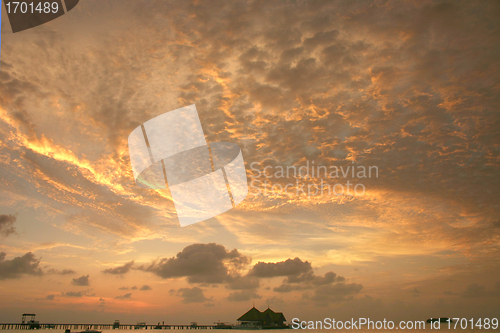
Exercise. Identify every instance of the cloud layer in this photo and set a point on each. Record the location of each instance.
(408, 87)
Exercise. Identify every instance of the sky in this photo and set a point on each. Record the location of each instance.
(410, 89)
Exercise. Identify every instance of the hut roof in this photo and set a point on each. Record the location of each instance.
(274, 316)
(268, 315)
(251, 315)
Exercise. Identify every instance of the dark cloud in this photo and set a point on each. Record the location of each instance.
(145, 287)
(329, 277)
(239, 282)
(78, 293)
(243, 296)
(126, 296)
(212, 264)
(475, 290)
(74, 293)
(200, 263)
(81, 281)
(67, 271)
(299, 275)
(275, 301)
(50, 297)
(19, 266)
(285, 288)
(310, 277)
(128, 288)
(289, 267)
(321, 38)
(62, 272)
(326, 294)
(120, 269)
(192, 295)
(7, 224)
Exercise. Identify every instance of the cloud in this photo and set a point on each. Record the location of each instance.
(120, 269)
(192, 295)
(310, 277)
(50, 297)
(299, 275)
(213, 264)
(285, 288)
(126, 296)
(243, 295)
(77, 293)
(239, 282)
(324, 295)
(474, 290)
(416, 293)
(19, 266)
(128, 288)
(288, 267)
(63, 272)
(274, 301)
(200, 263)
(146, 287)
(81, 281)
(7, 224)
(74, 293)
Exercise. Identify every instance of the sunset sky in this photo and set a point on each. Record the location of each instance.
(411, 88)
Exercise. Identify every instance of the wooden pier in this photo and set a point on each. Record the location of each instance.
(82, 327)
